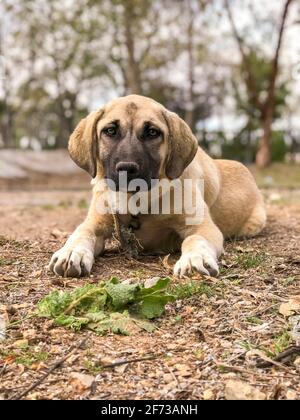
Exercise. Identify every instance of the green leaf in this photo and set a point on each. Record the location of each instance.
(107, 306)
(159, 287)
(75, 323)
(121, 294)
(54, 304)
(154, 306)
(118, 323)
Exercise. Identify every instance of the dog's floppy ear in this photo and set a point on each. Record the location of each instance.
(83, 143)
(182, 145)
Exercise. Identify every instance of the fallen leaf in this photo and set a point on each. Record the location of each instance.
(56, 233)
(151, 282)
(208, 394)
(260, 328)
(9, 360)
(3, 324)
(30, 334)
(291, 395)
(295, 330)
(20, 344)
(241, 391)
(81, 382)
(168, 378)
(289, 308)
(166, 265)
(37, 273)
(297, 362)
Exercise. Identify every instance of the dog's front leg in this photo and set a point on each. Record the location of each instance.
(76, 257)
(202, 245)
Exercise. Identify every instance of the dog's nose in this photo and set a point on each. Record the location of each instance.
(131, 168)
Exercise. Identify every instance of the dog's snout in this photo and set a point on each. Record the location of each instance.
(131, 168)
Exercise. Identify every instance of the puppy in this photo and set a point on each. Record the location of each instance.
(137, 137)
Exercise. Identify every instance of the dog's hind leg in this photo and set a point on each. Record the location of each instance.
(255, 223)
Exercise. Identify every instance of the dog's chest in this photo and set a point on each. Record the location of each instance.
(152, 231)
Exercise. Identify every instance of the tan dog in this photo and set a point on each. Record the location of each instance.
(138, 136)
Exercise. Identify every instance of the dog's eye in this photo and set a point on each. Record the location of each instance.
(153, 132)
(110, 131)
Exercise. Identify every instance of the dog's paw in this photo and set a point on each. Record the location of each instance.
(74, 261)
(202, 260)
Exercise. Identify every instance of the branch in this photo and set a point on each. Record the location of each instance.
(53, 367)
(249, 79)
(275, 62)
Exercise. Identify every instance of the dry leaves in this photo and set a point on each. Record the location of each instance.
(3, 323)
(237, 390)
(289, 308)
(233, 318)
(81, 382)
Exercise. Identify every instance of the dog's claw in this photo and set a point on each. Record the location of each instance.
(204, 263)
(72, 262)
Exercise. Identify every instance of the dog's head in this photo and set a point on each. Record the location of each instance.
(136, 135)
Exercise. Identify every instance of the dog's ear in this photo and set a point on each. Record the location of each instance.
(182, 145)
(83, 143)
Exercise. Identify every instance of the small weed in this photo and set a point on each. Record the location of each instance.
(139, 274)
(30, 358)
(176, 319)
(82, 204)
(282, 342)
(4, 261)
(247, 261)
(247, 345)
(289, 281)
(48, 207)
(190, 289)
(25, 357)
(254, 320)
(65, 204)
(12, 242)
(92, 367)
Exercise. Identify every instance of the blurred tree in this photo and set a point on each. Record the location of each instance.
(261, 82)
(135, 44)
(250, 102)
(58, 51)
(149, 39)
(7, 110)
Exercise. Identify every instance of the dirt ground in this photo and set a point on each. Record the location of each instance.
(221, 342)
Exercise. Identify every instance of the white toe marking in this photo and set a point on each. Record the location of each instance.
(201, 259)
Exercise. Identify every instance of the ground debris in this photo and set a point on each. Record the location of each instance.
(227, 320)
(237, 390)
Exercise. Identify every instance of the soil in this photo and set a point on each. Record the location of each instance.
(201, 343)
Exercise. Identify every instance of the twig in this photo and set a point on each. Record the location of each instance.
(12, 324)
(3, 369)
(261, 311)
(124, 362)
(283, 357)
(234, 368)
(268, 360)
(118, 233)
(174, 377)
(53, 367)
(128, 241)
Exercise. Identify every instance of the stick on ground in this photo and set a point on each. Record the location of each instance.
(53, 367)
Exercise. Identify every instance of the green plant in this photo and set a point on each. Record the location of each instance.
(107, 306)
(247, 260)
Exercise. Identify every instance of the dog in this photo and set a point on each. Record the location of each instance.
(138, 137)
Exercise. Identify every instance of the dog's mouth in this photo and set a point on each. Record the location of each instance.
(132, 186)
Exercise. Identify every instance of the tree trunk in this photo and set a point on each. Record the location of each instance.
(133, 75)
(264, 154)
(190, 109)
(7, 128)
